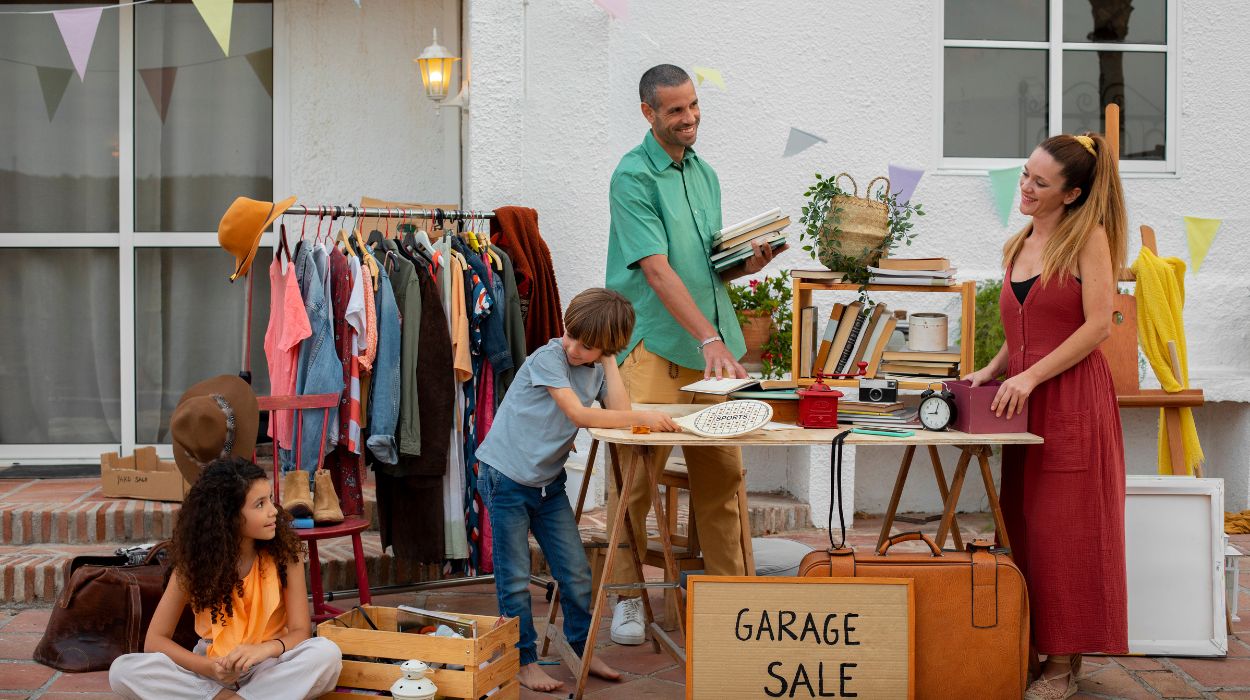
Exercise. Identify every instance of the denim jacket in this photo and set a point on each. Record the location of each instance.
(318, 369)
(384, 397)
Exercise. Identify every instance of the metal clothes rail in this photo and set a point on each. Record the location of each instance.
(351, 210)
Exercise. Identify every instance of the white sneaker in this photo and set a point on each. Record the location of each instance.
(628, 625)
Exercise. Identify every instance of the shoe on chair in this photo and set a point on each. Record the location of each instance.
(296, 497)
(628, 625)
(326, 509)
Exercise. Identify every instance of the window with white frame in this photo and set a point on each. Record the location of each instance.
(1018, 71)
(114, 291)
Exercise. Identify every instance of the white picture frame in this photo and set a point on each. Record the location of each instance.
(1174, 546)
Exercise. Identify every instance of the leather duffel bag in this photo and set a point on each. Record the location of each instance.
(104, 612)
(972, 608)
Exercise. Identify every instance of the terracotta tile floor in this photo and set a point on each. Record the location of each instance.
(654, 676)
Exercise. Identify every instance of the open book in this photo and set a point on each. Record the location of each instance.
(727, 385)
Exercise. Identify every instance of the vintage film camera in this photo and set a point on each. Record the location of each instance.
(878, 390)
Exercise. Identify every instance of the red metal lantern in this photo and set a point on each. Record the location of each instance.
(818, 403)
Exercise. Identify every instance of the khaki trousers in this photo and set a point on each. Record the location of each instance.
(715, 472)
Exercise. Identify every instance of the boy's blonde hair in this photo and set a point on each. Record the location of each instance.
(601, 319)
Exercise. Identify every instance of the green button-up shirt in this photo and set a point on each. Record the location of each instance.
(660, 208)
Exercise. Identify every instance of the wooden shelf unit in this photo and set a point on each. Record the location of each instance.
(802, 296)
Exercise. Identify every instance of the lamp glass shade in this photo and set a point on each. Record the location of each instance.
(436, 63)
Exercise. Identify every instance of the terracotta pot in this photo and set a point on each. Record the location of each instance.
(756, 331)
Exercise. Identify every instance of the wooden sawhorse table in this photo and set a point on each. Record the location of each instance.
(643, 450)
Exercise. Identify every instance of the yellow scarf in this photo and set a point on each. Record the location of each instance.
(1160, 297)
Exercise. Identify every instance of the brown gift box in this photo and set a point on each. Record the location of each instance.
(973, 414)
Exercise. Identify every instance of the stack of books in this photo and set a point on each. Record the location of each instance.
(883, 415)
(733, 244)
(911, 365)
(913, 272)
(852, 335)
(818, 275)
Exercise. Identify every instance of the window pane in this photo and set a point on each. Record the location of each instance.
(59, 354)
(995, 102)
(189, 322)
(1002, 20)
(203, 121)
(1135, 81)
(1129, 21)
(58, 134)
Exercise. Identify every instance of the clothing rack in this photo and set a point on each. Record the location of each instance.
(351, 210)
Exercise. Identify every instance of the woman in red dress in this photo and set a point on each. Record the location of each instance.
(1064, 500)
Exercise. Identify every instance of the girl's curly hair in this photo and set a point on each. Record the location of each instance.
(206, 536)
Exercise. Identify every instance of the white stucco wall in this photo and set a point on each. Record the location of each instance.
(357, 118)
(555, 105)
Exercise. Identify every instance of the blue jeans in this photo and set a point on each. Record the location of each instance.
(515, 511)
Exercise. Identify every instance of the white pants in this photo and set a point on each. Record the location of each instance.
(309, 670)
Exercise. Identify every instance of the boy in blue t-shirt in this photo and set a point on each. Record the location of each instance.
(521, 476)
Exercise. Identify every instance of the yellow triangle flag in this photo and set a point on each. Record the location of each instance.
(217, 14)
(711, 75)
(1201, 233)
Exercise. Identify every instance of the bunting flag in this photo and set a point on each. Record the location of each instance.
(711, 75)
(616, 9)
(53, 81)
(800, 141)
(262, 65)
(1201, 233)
(1003, 183)
(160, 85)
(217, 14)
(903, 182)
(78, 29)
(357, 4)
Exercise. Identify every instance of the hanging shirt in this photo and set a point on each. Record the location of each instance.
(288, 325)
(660, 207)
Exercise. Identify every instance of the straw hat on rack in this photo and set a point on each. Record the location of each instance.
(242, 226)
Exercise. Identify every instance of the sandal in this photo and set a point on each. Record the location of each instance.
(1042, 689)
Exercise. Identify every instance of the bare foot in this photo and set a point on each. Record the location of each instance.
(536, 679)
(604, 671)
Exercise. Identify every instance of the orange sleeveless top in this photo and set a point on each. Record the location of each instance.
(259, 614)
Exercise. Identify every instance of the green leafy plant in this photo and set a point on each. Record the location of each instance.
(820, 211)
(989, 337)
(769, 297)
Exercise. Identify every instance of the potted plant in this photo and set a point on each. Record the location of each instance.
(763, 310)
(847, 233)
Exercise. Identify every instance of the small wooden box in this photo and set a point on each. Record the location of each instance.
(491, 661)
(142, 476)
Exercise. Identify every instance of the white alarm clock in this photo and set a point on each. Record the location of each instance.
(937, 409)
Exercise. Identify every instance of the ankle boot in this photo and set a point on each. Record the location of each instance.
(296, 497)
(325, 502)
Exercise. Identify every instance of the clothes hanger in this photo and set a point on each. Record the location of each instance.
(369, 260)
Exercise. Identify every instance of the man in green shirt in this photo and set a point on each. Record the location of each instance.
(666, 209)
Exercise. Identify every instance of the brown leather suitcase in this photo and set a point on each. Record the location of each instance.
(972, 610)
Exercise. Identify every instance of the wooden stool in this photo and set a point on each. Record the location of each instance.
(674, 479)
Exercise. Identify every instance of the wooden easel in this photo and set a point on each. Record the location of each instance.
(1121, 348)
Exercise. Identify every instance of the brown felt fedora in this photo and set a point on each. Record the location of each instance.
(216, 418)
(242, 226)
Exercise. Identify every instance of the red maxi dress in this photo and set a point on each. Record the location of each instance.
(1063, 501)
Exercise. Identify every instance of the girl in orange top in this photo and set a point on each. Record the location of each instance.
(237, 565)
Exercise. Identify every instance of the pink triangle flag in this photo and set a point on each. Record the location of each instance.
(160, 85)
(617, 9)
(78, 29)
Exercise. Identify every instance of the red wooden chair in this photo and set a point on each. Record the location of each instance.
(350, 527)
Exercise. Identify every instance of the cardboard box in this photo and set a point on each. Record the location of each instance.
(143, 476)
(973, 414)
(470, 668)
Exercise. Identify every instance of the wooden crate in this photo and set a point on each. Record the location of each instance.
(496, 646)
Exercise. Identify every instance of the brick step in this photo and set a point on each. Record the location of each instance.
(73, 511)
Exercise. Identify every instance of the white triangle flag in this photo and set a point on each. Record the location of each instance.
(78, 29)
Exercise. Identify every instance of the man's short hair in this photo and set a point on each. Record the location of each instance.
(601, 319)
(663, 75)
